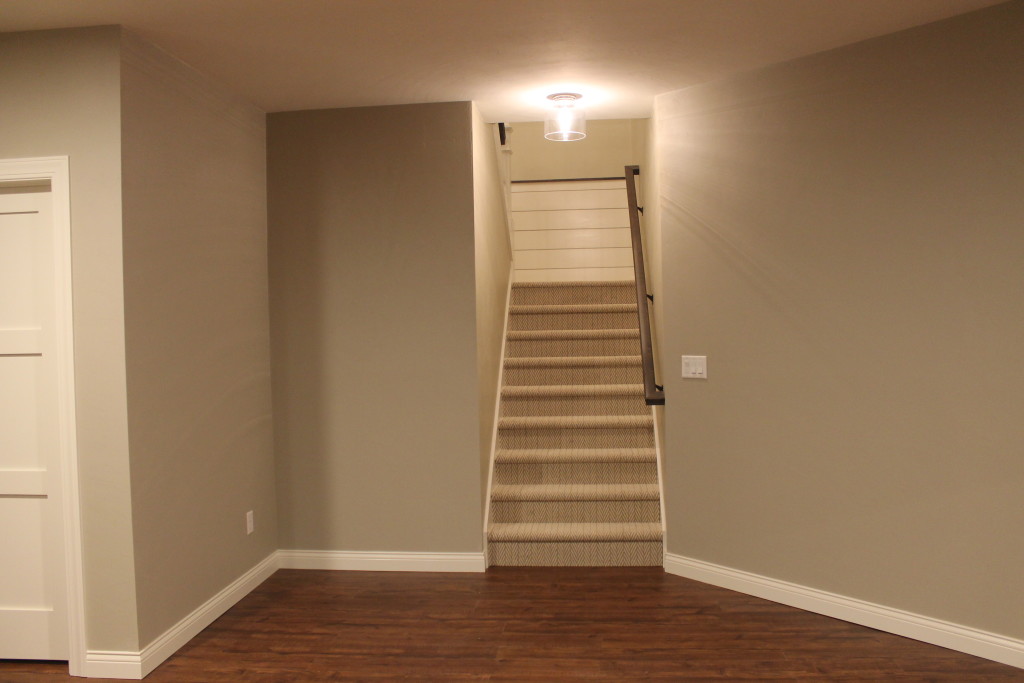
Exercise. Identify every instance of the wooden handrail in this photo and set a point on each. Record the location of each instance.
(654, 394)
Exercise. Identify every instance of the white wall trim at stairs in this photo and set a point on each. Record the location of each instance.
(497, 409)
(136, 665)
(926, 629)
(661, 477)
(381, 561)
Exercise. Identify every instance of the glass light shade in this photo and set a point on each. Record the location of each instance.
(566, 121)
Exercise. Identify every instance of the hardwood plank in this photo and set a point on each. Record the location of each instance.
(533, 624)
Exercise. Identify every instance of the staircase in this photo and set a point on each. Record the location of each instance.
(575, 478)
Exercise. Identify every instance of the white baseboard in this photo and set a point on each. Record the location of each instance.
(107, 664)
(136, 665)
(381, 561)
(185, 630)
(926, 629)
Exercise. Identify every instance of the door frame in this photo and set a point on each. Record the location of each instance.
(56, 170)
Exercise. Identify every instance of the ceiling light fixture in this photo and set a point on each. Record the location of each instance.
(566, 121)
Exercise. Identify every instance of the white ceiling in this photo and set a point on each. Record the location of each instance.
(504, 54)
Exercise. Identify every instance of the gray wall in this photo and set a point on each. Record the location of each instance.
(493, 260)
(197, 334)
(373, 319)
(61, 96)
(842, 237)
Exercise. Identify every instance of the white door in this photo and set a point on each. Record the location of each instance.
(33, 590)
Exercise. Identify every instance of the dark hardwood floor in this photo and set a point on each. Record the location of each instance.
(525, 624)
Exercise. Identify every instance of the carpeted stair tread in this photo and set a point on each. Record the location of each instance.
(574, 455)
(558, 335)
(571, 390)
(574, 511)
(574, 492)
(618, 292)
(577, 422)
(575, 478)
(574, 283)
(533, 309)
(572, 361)
(575, 531)
(577, 554)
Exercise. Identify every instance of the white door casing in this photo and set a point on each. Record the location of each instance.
(41, 606)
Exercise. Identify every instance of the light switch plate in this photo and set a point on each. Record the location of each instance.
(695, 367)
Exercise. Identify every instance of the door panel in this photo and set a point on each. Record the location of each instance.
(33, 602)
(20, 239)
(22, 518)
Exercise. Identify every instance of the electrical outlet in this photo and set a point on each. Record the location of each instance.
(249, 526)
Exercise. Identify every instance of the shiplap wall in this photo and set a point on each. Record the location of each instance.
(571, 231)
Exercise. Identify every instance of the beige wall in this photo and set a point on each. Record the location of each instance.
(373, 318)
(610, 145)
(493, 260)
(649, 191)
(61, 96)
(842, 237)
(197, 335)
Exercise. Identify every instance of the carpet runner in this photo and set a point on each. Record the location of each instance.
(575, 472)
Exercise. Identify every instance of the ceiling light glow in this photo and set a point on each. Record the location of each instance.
(566, 121)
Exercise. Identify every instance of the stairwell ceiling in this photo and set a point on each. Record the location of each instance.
(506, 55)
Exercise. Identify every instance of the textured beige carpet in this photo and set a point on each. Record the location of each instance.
(575, 474)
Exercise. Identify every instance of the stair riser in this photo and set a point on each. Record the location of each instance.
(573, 405)
(546, 456)
(572, 321)
(576, 554)
(576, 438)
(525, 348)
(573, 294)
(576, 473)
(625, 374)
(575, 511)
